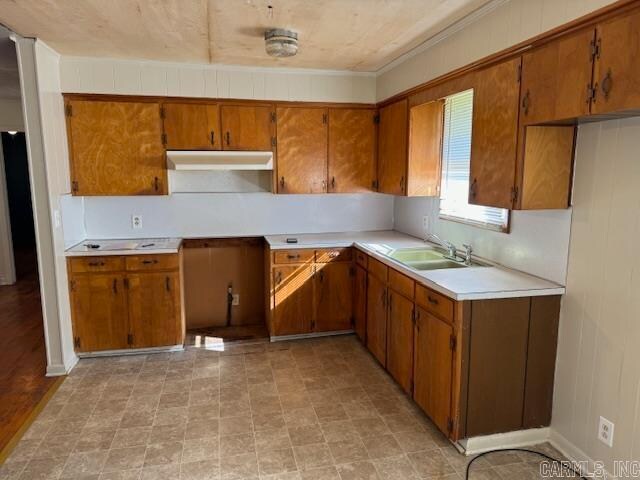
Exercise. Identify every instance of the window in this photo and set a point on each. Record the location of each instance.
(456, 155)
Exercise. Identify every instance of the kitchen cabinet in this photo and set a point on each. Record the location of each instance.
(115, 148)
(153, 307)
(120, 302)
(360, 303)
(377, 296)
(302, 150)
(352, 150)
(425, 149)
(248, 127)
(99, 310)
(400, 340)
(616, 73)
(293, 299)
(392, 148)
(496, 96)
(191, 126)
(334, 296)
(556, 79)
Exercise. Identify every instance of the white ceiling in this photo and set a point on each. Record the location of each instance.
(9, 77)
(360, 35)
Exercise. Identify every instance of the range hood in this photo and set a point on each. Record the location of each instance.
(218, 160)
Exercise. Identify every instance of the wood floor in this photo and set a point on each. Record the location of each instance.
(22, 350)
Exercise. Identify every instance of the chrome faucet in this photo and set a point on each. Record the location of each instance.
(467, 254)
(452, 251)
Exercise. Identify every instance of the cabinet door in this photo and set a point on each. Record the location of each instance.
(247, 127)
(496, 96)
(352, 150)
(360, 303)
(425, 149)
(556, 79)
(377, 318)
(392, 148)
(116, 148)
(400, 340)
(302, 150)
(433, 364)
(154, 309)
(192, 126)
(334, 297)
(293, 298)
(99, 308)
(617, 70)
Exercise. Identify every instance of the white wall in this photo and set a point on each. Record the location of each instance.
(103, 75)
(538, 242)
(11, 115)
(598, 367)
(511, 22)
(229, 214)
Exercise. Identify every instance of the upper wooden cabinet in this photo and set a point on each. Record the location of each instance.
(556, 79)
(248, 127)
(494, 136)
(352, 150)
(115, 148)
(617, 70)
(191, 126)
(425, 149)
(302, 150)
(392, 148)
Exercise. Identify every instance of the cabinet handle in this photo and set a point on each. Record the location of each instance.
(96, 264)
(402, 184)
(212, 137)
(607, 84)
(473, 188)
(228, 135)
(293, 257)
(526, 102)
(115, 285)
(281, 182)
(333, 183)
(432, 301)
(167, 284)
(324, 185)
(278, 278)
(149, 262)
(321, 276)
(156, 183)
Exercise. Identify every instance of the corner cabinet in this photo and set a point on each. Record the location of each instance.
(124, 302)
(115, 147)
(392, 148)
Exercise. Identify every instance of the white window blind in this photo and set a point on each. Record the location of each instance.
(456, 155)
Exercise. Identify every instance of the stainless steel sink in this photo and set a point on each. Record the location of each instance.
(424, 258)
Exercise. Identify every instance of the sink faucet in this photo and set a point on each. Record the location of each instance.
(452, 251)
(467, 254)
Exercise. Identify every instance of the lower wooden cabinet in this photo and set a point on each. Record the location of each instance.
(433, 368)
(117, 309)
(360, 303)
(377, 318)
(400, 340)
(311, 291)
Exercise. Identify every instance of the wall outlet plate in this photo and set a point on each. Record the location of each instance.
(136, 221)
(605, 431)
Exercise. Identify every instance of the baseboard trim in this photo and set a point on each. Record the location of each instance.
(575, 454)
(57, 370)
(281, 338)
(517, 439)
(132, 351)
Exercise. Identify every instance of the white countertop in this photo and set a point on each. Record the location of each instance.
(134, 246)
(471, 283)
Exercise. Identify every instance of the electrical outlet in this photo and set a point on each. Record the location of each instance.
(605, 431)
(426, 224)
(136, 221)
(236, 300)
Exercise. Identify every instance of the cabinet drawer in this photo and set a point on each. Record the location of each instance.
(361, 258)
(435, 303)
(401, 283)
(96, 264)
(152, 262)
(378, 269)
(333, 255)
(293, 256)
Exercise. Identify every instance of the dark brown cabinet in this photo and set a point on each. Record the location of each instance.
(392, 148)
(400, 340)
(191, 126)
(247, 127)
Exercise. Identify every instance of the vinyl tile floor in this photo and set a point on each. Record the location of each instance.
(310, 409)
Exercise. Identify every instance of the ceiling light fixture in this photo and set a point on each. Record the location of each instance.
(281, 43)
(12, 132)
